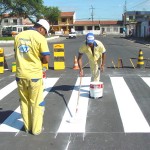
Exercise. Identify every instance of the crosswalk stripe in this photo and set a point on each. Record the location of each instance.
(14, 122)
(146, 80)
(78, 121)
(132, 118)
(7, 89)
(131, 115)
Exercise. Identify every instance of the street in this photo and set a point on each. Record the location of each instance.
(120, 120)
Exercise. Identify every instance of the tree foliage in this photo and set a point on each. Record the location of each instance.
(3, 7)
(22, 8)
(51, 14)
(29, 9)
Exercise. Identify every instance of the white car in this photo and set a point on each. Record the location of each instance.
(72, 35)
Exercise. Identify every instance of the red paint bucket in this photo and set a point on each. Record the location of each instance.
(96, 89)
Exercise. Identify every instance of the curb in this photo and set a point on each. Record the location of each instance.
(12, 41)
(9, 54)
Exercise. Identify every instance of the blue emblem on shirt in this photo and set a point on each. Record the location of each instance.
(23, 48)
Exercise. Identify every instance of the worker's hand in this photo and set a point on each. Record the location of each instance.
(81, 73)
(102, 67)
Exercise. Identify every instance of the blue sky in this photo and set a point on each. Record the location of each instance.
(103, 9)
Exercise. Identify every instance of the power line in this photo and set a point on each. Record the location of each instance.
(140, 3)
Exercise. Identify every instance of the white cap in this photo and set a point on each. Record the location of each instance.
(45, 24)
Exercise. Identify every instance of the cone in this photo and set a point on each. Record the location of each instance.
(75, 67)
(140, 63)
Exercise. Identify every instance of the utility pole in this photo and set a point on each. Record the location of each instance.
(92, 15)
(124, 20)
(125, 10)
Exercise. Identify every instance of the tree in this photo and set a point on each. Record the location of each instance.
(51, 14)
(26, 8)
(3, 9)
(22, 8)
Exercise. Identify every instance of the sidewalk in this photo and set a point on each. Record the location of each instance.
(139, 40)
(9, 47)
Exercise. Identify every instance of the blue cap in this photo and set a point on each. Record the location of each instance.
(90, 38)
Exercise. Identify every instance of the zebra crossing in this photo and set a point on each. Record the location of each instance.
(131, 115)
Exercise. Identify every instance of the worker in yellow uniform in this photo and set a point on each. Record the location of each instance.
(96, 54)
(31, 51)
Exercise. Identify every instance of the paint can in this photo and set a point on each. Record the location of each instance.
(96, 89)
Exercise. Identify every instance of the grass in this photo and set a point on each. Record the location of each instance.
(11, 38)
(6, 38)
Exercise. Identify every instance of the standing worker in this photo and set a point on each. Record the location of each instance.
(95, 52)
(31, 51)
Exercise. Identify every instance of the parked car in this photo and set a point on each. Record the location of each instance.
(13, 30)
(72, 35)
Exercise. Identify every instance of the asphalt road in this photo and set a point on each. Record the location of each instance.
(120, 120)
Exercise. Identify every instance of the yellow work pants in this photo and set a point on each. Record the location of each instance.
(31, 103)
(94, 67)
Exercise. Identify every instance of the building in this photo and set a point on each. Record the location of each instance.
(67, 21)
(15, 20)
(137, 23)
(99, 27)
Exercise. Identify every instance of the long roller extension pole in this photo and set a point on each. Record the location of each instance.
(78, 95)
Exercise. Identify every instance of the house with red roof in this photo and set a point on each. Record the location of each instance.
(67, 21)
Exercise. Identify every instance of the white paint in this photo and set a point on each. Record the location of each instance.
(8, 89)
(69, 141)
(131, 115)
(146, 80)
(78, 123)
(14, 122)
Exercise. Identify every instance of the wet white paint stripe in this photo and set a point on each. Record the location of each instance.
(146, 80)
(8, 89)
(14, 122)
(131, 115)
(78, 122)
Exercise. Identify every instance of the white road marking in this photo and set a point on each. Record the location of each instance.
(131, 115)
(146, 80)
(14, 122)
(78, 123)
(8, 89)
